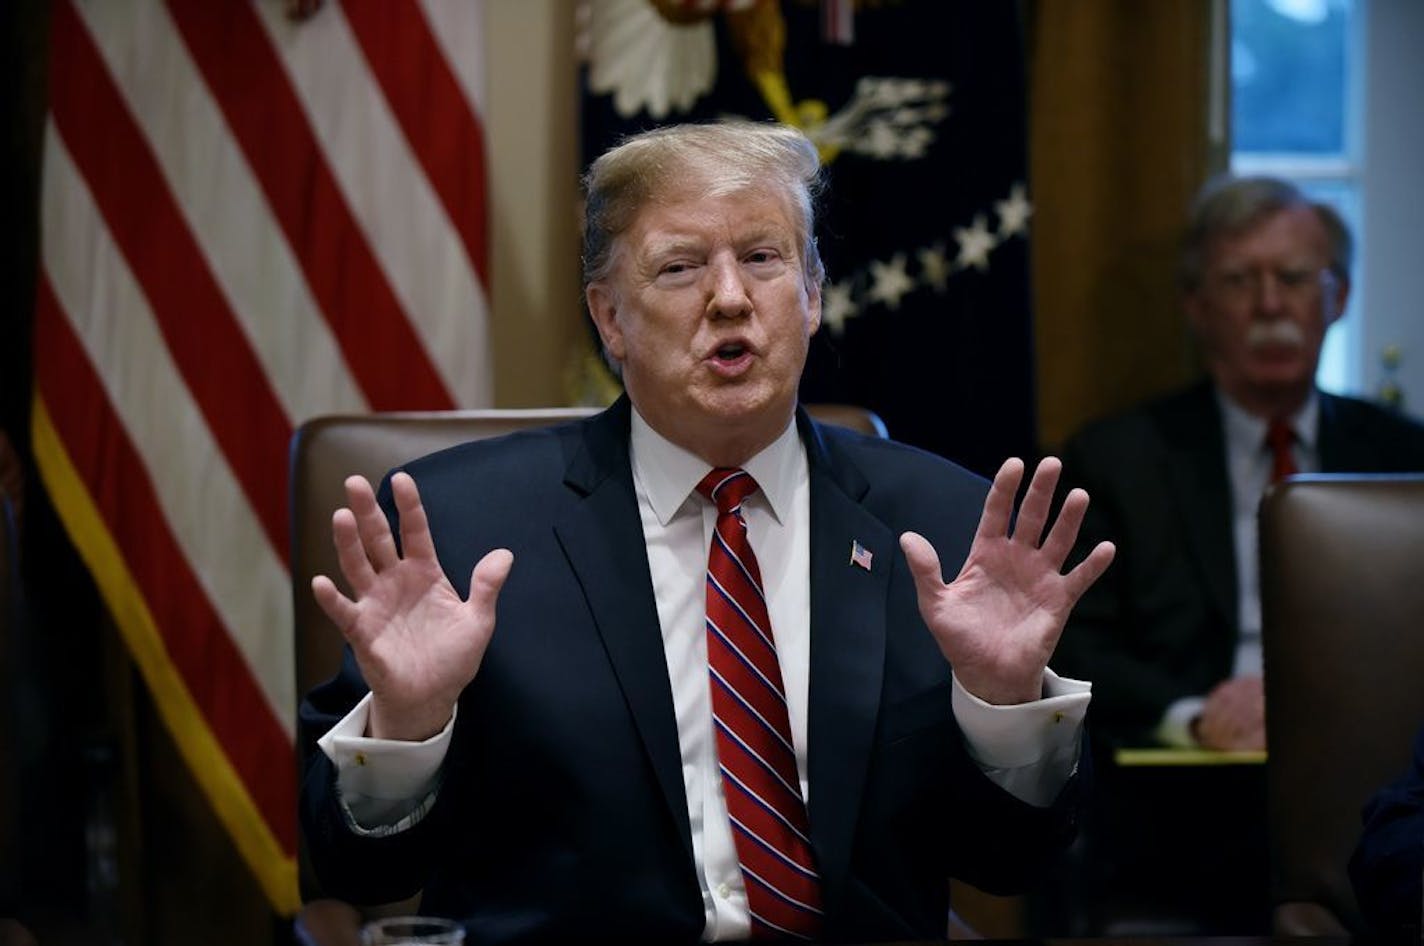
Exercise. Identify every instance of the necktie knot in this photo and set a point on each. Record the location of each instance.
(726, 487)
(1280, 438)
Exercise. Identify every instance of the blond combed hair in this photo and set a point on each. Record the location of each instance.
(718, 158)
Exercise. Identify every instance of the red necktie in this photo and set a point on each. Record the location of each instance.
(1280, 437)
(759, 779)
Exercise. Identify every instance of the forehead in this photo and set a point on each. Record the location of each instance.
(696, 213)
(1289, 235)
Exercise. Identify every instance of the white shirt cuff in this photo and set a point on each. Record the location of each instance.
(1029, 749)
(385, 785)
(1175, 729)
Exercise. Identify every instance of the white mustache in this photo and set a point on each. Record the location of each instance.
(1279, 332)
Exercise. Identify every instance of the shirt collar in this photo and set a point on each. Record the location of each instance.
(670, 474)
(1246, 428)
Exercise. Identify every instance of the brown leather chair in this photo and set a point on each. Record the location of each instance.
(325, 451)
(1342, 597)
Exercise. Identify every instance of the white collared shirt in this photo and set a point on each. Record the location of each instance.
(1030, 750)
(1248, 464)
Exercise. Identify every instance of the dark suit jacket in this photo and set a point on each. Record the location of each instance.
(1387, 869)
(562, 814)
(1162, 623)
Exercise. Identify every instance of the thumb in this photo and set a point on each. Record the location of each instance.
(924, 565)
(488, 578)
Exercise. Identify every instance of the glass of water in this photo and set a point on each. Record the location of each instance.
(412, 931)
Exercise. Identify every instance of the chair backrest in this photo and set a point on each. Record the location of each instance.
(326, 450)
(1342, 597)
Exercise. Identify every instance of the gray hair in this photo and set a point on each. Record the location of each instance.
(721, 158)
(1229, 205)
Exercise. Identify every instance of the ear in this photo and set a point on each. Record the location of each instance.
(1339, 297)
(813, 308)
(603, 308)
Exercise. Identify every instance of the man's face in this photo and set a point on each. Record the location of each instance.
(709, 313)
(1264, 303)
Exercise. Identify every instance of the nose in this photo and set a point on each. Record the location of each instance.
(727, 289)
(1271, 295)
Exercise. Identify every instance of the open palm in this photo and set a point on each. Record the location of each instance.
(417, 642)
(999, 620)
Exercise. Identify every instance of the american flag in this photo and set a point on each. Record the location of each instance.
(860, 555)
(246, 221)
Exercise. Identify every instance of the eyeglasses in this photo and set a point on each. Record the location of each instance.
(1244, 285)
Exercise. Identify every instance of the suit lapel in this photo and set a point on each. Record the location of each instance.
(1197, 470)
(1340, 445)
(602, 537)
(848, 604)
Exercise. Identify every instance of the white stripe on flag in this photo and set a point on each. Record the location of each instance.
(458, 28)
(205, 508)
(389, 195)
(224, 206)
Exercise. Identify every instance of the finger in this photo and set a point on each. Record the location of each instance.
(335, 605)
(1064, 533)
(350, 554)
(1089, 570)
(414, 527)
(372, 524)
(488, 578)
(1033, 511)
(999, 504)
(924, 566)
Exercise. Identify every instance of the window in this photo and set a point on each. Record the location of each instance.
(1294, 110)
(1326, 93)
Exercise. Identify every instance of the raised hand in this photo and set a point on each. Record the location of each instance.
(417, 643)
(998, 622)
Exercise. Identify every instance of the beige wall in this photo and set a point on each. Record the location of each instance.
(532, 143)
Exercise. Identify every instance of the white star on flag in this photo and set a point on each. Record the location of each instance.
(934, 267)
(1014, 212)
(975, 242)
(837, 306)
(891, 282)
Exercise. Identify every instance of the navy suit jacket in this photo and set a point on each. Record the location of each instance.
(1387, 867)
(1162, 624)
(562, 815)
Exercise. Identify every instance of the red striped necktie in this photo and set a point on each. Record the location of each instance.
(758, 764)
(1280, 438)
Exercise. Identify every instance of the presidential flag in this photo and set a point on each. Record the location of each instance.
(917, 107)
(247, 220)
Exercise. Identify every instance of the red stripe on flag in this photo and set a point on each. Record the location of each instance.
(439, 122)
(247, 79)
(196, 641)
(208, 346)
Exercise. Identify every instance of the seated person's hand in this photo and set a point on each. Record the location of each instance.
(1234, 717)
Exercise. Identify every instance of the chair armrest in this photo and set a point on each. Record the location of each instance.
(1306, 918)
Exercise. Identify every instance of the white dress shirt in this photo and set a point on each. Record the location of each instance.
(1030, 750)
(1248, 468)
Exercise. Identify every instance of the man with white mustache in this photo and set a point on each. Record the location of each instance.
(1171, 638)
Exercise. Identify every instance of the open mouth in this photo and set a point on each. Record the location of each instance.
(730, 352)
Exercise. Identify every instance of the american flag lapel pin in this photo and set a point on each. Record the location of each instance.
(860, 555)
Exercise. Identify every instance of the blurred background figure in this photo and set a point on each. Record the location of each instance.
(1174, 636)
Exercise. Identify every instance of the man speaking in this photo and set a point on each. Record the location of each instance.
(689, 670)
